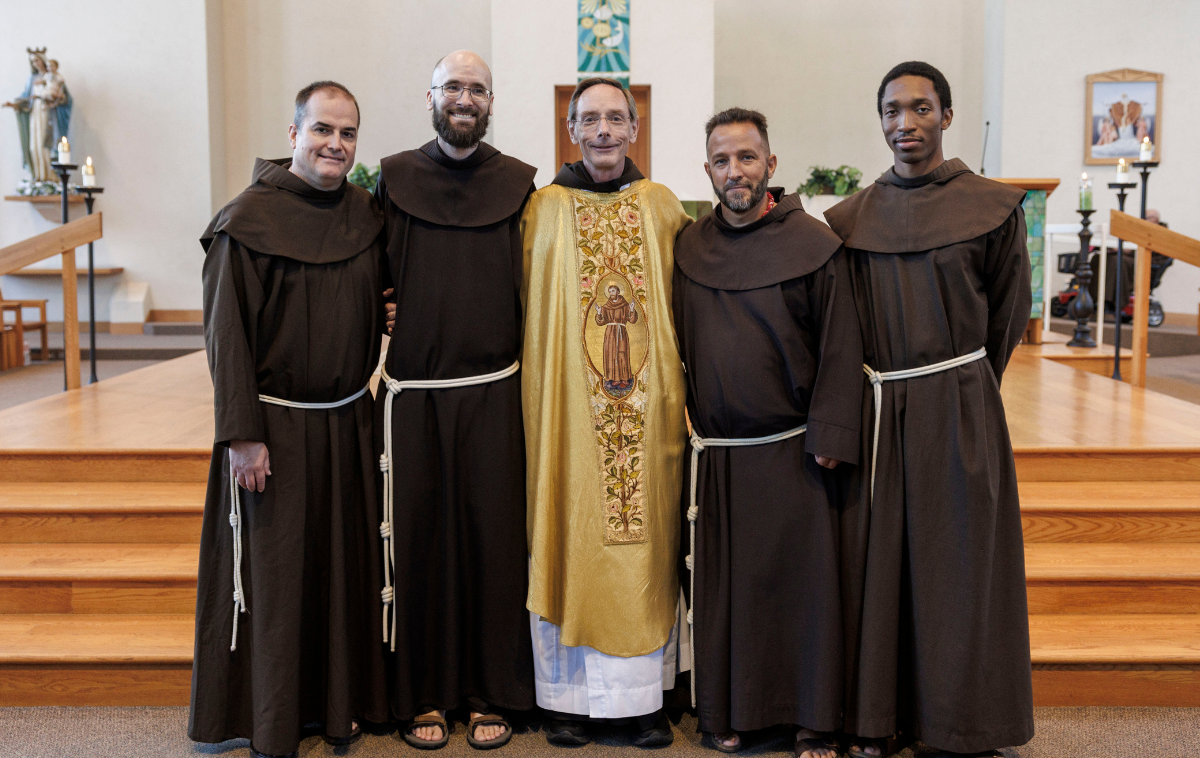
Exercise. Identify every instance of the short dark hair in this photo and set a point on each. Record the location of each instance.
(738, 116)
(590, 82)
(325, 85)
(941, 87)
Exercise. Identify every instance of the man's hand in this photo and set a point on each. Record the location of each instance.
(251, 464)
(826, 462)
(390, 307)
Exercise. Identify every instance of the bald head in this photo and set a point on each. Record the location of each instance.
(464, 67)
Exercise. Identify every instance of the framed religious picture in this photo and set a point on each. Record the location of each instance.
(1123, 107)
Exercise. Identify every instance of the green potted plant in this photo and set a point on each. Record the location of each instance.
(364, 177)
(840, 181)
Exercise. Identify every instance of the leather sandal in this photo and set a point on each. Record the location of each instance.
(355, 733)
(858, 745)
(816, 742)
(718, 745)
(427, 719)
(487, 719)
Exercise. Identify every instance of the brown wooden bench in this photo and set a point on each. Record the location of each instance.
(21, 326)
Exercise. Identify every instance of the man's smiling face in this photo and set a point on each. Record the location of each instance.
(323, 145)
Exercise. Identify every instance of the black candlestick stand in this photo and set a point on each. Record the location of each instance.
(1145, 167)
(1083, 307)
(88, 198)
(1122, 189)
(64, 173)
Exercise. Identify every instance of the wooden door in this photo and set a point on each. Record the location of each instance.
(639, 152)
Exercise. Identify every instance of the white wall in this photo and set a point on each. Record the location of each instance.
(671, 49)
(1049, 49)
(813, 67)
(384, 51)
(138, 78)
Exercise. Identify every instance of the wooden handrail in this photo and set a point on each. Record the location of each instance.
(61, 241)
(57, 241)
(1149, 237)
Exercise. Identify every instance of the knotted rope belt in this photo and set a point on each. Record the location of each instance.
(235, 508)
(879, 377)
(394, 388)
(698, 446)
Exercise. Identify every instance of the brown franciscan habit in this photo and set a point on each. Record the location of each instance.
(934, 574)
(292, 310)
(768, 333)
(454, 255)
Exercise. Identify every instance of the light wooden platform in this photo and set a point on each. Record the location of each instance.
(102, 493)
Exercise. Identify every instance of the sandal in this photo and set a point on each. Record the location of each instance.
(858, 745)
(719, 745)
(487, 719)
(816, 742)
(427, 719)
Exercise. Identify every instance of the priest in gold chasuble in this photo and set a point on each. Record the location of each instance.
(603, 395)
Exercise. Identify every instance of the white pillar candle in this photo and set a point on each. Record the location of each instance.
(1122, 171)
(64, 151)
(89, 173)
(1147, 153)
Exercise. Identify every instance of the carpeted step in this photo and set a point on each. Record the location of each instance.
(89, 578)
(1100, 578)
(162, 512)
(1110, 511)
(121, 659)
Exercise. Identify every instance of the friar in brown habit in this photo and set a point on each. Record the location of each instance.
(293, 315)
(448, 422)
(770, 338)
(936, 624)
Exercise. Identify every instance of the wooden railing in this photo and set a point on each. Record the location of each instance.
(1149, 238)
(60, 241)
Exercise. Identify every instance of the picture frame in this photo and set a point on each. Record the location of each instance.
(1123, 106)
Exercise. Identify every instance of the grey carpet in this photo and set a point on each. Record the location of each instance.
(160, 733)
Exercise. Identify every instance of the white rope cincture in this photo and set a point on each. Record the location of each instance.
(879, 377)
(235, 506)
(698, 446)
(387, 525)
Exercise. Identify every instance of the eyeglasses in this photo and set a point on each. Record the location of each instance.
(454, 90)
(590, 123)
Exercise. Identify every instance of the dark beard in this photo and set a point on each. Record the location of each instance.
(456, 136)
(757, 192)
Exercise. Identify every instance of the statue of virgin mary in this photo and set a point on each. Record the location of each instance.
(43, 114)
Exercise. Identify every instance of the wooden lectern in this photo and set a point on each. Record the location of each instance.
(1037, 190)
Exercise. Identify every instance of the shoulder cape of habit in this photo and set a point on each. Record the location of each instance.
(281, 214)
(575, 175)
(947, 206)
(484, 188)
(787, 243)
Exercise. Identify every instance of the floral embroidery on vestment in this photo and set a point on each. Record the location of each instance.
(612, 299)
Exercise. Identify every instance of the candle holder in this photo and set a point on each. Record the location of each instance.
(64, 173)
(1145, 167)
(89, 199)
(1083, 307)
(1122, 189)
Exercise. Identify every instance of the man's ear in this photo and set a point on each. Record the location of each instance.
(292, 132)
(633, 130)
(708, 170)
(429, 100)
(571, 133)
(772, 162)
(947, 117)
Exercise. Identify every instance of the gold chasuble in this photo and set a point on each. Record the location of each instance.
(603, 394)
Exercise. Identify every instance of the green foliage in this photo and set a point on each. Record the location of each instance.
(364, 177)
(842, 180)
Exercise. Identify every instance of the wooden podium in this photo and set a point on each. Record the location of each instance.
(1037, 190)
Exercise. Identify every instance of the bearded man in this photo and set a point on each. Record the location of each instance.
(936, 621)
(292, 323)
(605, 453)
(770, 338)
(449, 421)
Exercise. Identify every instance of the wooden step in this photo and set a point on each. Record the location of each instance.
(1117, 464)
(95, 660)
(86, 578)
(1110, 511)
(1115, 660)
(101, 512)
(84, 465)
(1098, 578)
